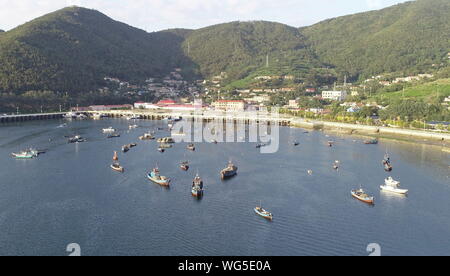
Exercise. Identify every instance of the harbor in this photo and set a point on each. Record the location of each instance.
(297, 187)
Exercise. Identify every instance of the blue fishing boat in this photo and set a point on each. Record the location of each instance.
(156, 178)
(263, 213)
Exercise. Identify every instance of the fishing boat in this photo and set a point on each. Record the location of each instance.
(161, 150)
(361, 195)
(371, 142)
(330, 144)
(387, 163)
(156, 178)
(263, 213)
(184, 165)
(133, 126)
(166, 140)
(26, 154)
(336, 165)
(109, 130)
(115, 157)
(165, 146)
(310, 172)
(76, 139)
(191, 147)
(229, 171)
(147, 136)
(296, 143)
(392, 186)
(125, 148)
(113, 136)
(197, 187)
(117, 167)
(258, 146)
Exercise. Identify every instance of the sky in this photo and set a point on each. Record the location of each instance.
(155, 15)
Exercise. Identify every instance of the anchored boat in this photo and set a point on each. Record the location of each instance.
(392, 186)
(361, 195)
(166, 140)
(76, 139)
(371, 142)
(263, 213)
(191, 147)
(147, 136)
(117, 167)
(184, 165)
(229, 171)
(197, 187)
(156, 178)
(109, 130)
(26, 154)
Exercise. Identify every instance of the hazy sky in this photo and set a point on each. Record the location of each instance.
(154, 15)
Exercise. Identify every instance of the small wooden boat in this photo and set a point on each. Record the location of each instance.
(161, 150)
(191, 147)
(125, 148)
(115, 157)
(296, 144)
(263, 213)
(156, 178)
(109, 130)
(229, 171)
(113, 136)
(166, 140)
(116, 167)
(165, 146)
(371, 142)
(184, 166)
(147, 136)
(133, 145)
(330, 143)
(24, 155)
(362, 196)
(76, 139)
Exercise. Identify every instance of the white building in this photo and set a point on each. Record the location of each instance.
(334, 95)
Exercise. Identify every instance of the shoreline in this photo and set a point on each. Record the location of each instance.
(437, 140)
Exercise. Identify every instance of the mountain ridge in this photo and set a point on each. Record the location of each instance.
(72, 49)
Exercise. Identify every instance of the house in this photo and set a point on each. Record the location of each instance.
(311, 90)
(334, 95)
(293, 104)
(229, 105)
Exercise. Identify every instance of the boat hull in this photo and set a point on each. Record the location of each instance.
(268, 217)
(118, 169)
(370, 201)
(164, 183)
(394, 190)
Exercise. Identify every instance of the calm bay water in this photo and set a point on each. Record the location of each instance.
(70, 195)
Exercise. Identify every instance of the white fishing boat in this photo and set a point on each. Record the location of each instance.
(109, 130)
(393, 186)
(133, 126)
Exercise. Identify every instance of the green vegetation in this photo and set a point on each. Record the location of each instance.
(434, 91)
(407, 38)
(73, 49)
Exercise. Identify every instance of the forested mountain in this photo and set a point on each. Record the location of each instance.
(407, 37)
(240, 48)
(72, 49)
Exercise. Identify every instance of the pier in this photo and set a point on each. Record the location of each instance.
(29, 117)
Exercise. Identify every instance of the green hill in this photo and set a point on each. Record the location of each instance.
(75, 48)
(429, 92)
(241, 48)
(408, 37)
